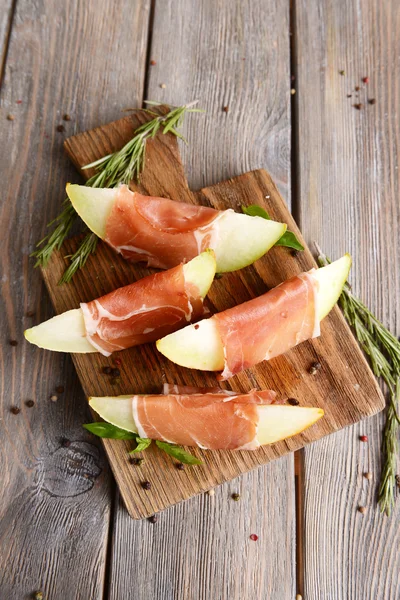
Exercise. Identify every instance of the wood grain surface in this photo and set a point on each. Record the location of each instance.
(344, 386)
(56, 498)
(349, 184)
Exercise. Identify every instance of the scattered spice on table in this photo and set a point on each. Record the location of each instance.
(38, 595)
(225, 109)
(153, 519)
(235, 497)
(196, 326)
(65, 442)
(363, 438)
(211, 492)
(180, 466)
(15, 410)
(60, 389)
(19, 102)
(106, 370)
(315, 367)
(117, 361)
(349, 95)
(13, 343)
(371, 101)
(299, 597)
(357, 88)
(365, 79)
(293, 91)
(115, 372)
(66, 117)
(295, 253)
(30, 313)
(153, 62)
(368, 476)
(163, 86)
(115, 380)
(53, 398)
(342, 72)
(254, 537)
(146, 485)
(293, 401)
(10, 117)
(358, 106)
(60, 128)
(29, 403)
(362, 509)
(136, 461)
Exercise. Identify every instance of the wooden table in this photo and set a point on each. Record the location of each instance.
(63, 529)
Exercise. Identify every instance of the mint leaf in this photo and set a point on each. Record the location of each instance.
(142, 444)
(107, 430)
(288, 239)
(178, 453)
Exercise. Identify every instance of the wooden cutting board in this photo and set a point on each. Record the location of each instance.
(344, 386)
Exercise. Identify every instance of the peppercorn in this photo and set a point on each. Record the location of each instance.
(235, 497)
(136, 461)
(153, 519)
(153, 62)
(115, 380)
(315, 367)
(363, 438)
(362, 510)
(358, 106)
(293, 91)
(254, 537)
(371, 101)
(342, 72)
(115, 372)
(293, 401)
(180, 466)
(211, 492)
(13, 343)
(368, 475)
(146, 485)
(60, 128)
(66, 117)
(29, 403)
(37, 595)
(60, 389)
(15, 410)
(196, 326)
(10, 117)
(53, 398)
(299, 597)
(225, 109)
(365, 79)
(349, 95)
(107, 370)
(65, 442)
(163, 86)
(117, 361)
(357, 88)
(294, 253)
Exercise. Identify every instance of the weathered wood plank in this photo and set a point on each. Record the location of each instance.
(349, 188)
(68, 57)
(6, 18)
(200, 549)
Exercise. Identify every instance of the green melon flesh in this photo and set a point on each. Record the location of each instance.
(63, 333)
(275, 422)
(116, 410)
(200, 346)
(241, 239)
(66, 332)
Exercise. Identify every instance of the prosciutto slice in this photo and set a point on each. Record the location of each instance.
(269, 325)
(161, 232)
(141, 312)
(211, 421)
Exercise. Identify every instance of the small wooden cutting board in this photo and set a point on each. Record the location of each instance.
(344, 386)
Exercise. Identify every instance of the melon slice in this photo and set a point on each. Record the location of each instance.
(200, 346)
(241, 239)
(67, 333)
(276, 422)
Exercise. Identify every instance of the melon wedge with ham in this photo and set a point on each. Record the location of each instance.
(261, 328)
(133, 314)
(164, 233)
(212, 421)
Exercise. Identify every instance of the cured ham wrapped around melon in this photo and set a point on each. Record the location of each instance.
(164, 233)
(131, 315)
(214, 421)
(262, 328)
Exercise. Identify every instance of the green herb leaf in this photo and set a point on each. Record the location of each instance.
(178, 453)
(107, 430)
(288, 239)
(142, 444)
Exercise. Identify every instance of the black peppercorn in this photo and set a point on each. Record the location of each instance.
(107, 370)
(293, 401)
(146, 485)
(115, 372)
(153, 519)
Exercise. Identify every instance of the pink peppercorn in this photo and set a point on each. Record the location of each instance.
(254, 537)
(363, 438)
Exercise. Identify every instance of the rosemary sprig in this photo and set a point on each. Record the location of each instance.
(111, 170)
(383, 352)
